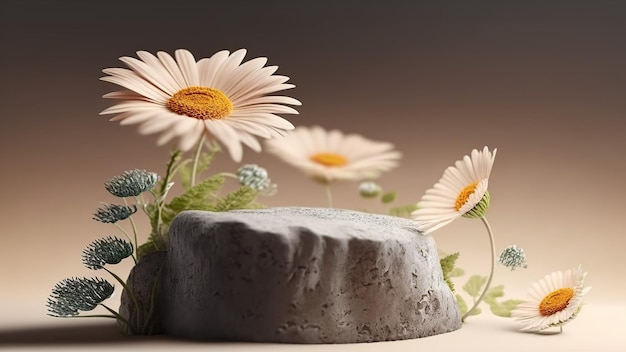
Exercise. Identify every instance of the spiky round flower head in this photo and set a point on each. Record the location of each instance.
(329, 156)
(369, 189)
(131, 183)
(513, 257)
(108, 250)
(112, 213)
(218, 97)
(253, 176)
(462, 191)
(77, 294)
(556, 300)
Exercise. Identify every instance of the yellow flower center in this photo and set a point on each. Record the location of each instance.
(464, 196)
(556, 301)
(329, 159)
(201, 103)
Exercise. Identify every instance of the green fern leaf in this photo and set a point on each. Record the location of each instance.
(447, 266)
(243, 198)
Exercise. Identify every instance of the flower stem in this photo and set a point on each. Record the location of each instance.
(329, 196)
(117, 316)
(493, 264)
(131, 294)
(132, 223)
(196, 158)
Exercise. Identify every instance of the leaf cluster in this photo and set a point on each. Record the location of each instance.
(473, 287)
(493, 296)
(204, 195)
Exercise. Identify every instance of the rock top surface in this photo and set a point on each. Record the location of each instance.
(302, 275)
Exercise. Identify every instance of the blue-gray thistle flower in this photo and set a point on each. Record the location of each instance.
(74, 294)
(513, 257)
(369, 189)
(131, 183)
(109, 250)
(112, 213)
(254, 176)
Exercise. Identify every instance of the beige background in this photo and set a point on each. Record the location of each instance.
(541, 81)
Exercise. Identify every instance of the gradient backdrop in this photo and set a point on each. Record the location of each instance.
(543, 81)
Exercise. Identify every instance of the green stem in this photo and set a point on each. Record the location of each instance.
(117, 316)
(160, 197)
(132, 223)
(92, 316)
(196, 158)
(123, 231)
(493, 264)
(131, 294)
(329, 196)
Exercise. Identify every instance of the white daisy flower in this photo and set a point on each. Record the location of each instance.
(556, 300)
(329, 156)
(217, 97)
(462, 191)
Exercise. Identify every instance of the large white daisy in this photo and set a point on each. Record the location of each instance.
(460, 190)
(218, 97)
(329, 156)
(556, 300)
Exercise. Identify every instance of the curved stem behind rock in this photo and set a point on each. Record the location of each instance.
(493, 264)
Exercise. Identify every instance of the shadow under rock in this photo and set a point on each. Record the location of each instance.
(104, 333)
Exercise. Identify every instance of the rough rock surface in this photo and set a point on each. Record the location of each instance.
(302, 275)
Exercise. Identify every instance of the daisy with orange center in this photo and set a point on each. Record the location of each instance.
(556, 300)
(329, 156)
(462, 191)
(217, 98)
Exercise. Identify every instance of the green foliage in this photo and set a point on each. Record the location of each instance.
(195, 198)
(456, 272)
(153, 244)
(243, 198)
(447, 266)
(501, 309)
(474, 287)
(474, 284)
(185, 170)
(388, 197)
(204, 195)
(463, 306)
(403, 211)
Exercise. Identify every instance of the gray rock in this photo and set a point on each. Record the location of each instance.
(303, 275)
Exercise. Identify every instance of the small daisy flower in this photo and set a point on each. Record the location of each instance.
(75, 294)
(462, 191)
(131, 183)
(218, 97)
(369, 189)
(556, 300)
(112, 213)
(513, 257)
(329, 156)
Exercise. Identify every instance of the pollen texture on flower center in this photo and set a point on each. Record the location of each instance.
(201, 103)
(556, 301)
(464, 196)
(329, 159)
